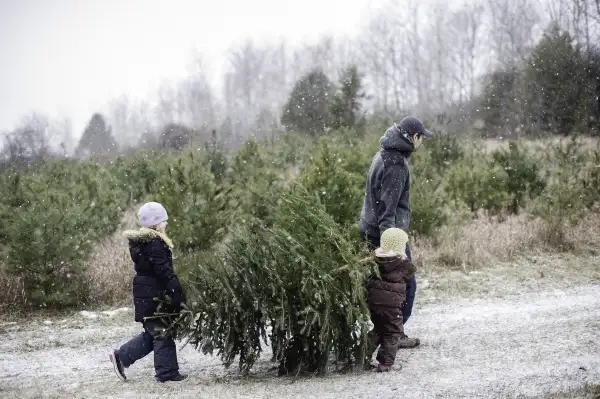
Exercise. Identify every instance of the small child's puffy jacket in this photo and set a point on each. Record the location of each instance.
(155, 278)
(389, 291)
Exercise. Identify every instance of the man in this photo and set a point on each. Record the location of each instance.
(387, 196)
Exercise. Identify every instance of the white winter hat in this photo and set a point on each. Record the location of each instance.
(393, 243)
(152, 214)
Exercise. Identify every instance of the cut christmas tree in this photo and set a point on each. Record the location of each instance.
(297, 285)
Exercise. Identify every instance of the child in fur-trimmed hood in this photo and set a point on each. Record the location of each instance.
(385, 297)
(150, 250)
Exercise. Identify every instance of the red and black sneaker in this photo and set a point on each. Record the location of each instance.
(117, 365)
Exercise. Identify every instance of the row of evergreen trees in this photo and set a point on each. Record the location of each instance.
(556, 90)
(55, 213)
(314, 106)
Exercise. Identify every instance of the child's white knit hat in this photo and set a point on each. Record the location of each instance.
(152, 214)
(393, 242)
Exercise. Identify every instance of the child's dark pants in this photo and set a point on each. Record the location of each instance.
(165, 351)
(387, 330)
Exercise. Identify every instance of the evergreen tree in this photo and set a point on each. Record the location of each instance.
(331, 174)
(64, 209)
(590, 106)
(197, 216)
(555, 74)
(97, 138)
(346, 104)
(265, 123)
(523, 174)
(302, 278)
(175, 136)
(216, 157)
(308, 108)
(498, 97)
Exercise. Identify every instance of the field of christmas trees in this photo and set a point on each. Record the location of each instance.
(266, 238)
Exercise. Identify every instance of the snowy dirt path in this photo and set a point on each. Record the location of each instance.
(519, 346)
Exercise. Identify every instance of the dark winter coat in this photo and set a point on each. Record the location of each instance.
(387, 195)
(389, 291)
(154, 275)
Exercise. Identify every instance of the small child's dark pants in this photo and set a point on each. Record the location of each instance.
(387, 331)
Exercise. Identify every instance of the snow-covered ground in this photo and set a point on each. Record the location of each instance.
(525, 345)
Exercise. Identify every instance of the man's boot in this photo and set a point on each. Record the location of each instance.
(405, 342)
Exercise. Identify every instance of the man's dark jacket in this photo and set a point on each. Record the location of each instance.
(387, 194)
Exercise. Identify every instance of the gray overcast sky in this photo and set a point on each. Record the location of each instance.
(70, 57)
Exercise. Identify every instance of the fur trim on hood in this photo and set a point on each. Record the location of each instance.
(396, 139)
(146, 234)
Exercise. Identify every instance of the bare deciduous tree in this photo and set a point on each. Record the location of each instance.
(466, 31)
(62, 142)
(416, 57)
(581, 18)
(119, 115)
(558, 12)
(37, 137)
(196, 97)
(246, 85)
(375, 60)
(512, 24)
(440, 45)
(168, 104)
(387, 61)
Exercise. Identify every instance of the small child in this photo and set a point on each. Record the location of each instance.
(150, 250)
(385, 297)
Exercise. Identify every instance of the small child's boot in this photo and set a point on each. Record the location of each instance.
(381, 368)
(368, 366)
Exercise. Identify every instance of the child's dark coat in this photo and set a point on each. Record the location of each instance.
(385, 298)
(154, 278)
